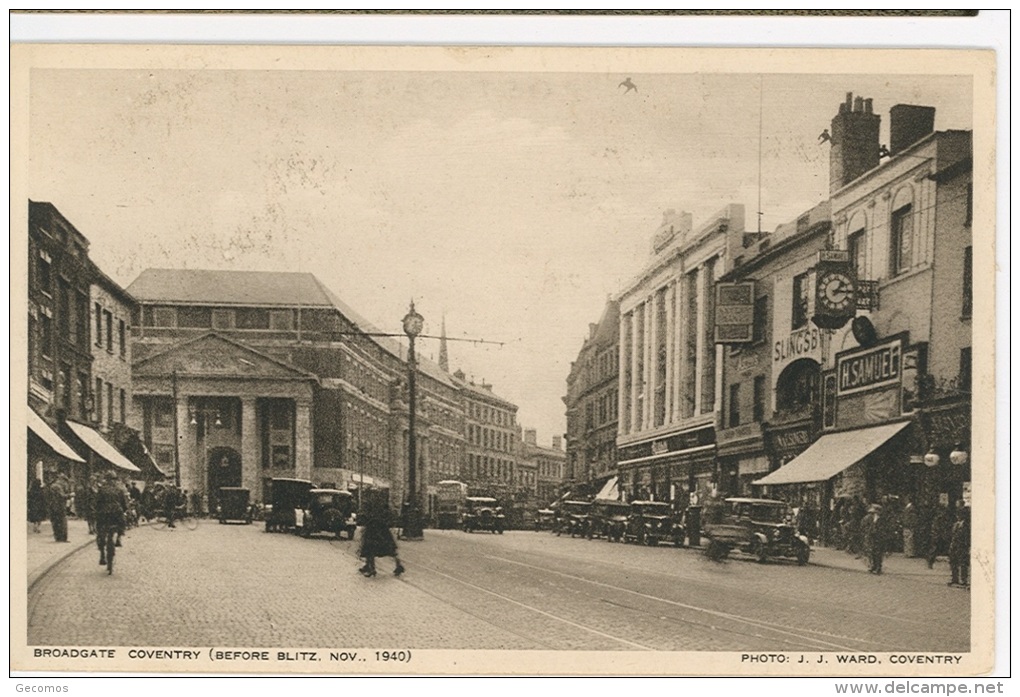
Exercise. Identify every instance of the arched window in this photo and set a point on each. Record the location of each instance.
(797, 388)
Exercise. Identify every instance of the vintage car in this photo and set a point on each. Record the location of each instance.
(608, 519)
(651, 522)
(287, 496)
(483, 513)
(329, 511)
(759, 527)
(233, 503)
(545, 519)
(573, 518)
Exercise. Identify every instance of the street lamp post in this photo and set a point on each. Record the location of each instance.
(412, 523)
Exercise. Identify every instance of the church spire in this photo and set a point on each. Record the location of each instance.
(444, 360)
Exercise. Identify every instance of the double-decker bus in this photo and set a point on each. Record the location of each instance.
(450, 495)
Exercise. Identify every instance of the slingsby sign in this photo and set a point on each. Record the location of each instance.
(874, 367)
(802, 343)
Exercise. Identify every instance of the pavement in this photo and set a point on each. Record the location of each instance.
(43, 552)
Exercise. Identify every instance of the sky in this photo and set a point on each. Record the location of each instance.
(512, 204)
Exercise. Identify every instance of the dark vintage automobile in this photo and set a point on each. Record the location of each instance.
(573, 518)
(759, 527)
(287, 496)
(545, 519)
(652, 522)
(608, 519)
(483, 513)
(327, 511)
(234, 504)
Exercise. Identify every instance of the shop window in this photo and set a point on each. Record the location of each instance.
(901, 240)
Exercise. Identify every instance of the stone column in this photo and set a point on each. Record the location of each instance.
(186, 460)
(251, 450)
(670, 353)
(303, 440)
(635, 377)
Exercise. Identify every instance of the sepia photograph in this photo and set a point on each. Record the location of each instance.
(502, 360)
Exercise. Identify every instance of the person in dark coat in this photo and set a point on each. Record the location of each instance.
(959, 549)
(110, 505)
(377, 540)
(938, 536)
(57, 494)
(874, 538)
(36, 504)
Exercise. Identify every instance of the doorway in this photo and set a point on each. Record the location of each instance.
(224, 469)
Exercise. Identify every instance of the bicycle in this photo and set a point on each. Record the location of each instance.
(181, 518)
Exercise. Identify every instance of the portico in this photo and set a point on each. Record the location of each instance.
(219, 413)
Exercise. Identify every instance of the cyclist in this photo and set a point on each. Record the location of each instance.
(109, 506)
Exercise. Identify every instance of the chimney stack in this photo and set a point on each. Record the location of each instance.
(557, 442)
(531, 436)
(908, 124)
(854, 146)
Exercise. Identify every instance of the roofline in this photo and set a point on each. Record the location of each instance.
(304, 374)
(899, 157)
(112, 286)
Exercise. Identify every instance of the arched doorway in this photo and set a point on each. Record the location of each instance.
(224, 469)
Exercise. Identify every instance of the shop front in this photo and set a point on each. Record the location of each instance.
(670, 468)
(947, 463)
(742, 459)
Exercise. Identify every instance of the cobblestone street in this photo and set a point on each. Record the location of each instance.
(236, 586)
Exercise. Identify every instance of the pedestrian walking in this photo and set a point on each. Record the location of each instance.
(377, 540)
(959, 549)
(36, 504)
(56, 501)
(874, 538)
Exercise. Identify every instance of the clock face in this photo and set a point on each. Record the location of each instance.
(835, 291)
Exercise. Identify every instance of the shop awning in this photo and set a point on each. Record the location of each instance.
(101, 447)
(46, 433)
(833, 453)
(611, 490)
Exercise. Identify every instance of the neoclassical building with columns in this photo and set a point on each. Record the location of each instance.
(241, 376)
(668, 383)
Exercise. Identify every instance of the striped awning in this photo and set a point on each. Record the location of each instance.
(46, 433)
(101, 447)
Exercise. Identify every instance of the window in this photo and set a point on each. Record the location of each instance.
(108, 316)
(164, 316)
(64, 308)
(249, 318)
(281, 320)
(964, 380)
(45, 333)
(223, 319)
(761, 309)
(122, 336)
(99, 324)
(123, 406)
(99, 400)
(163, 413)
(734, 405)
(109, 403)
(281, 456)
(801, 295)
(759, 399)
(45, 277)
(968, 281)
(83, 395)
(81, 318)
(280, 419)
(901, 240)
(64, 376)
(855, 247)
(164, 456)
(194, 317)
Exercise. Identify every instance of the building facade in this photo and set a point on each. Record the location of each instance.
(895, 387)
(111, 310)
(549, 465)
(668, 382)
(592, 403)
(242, 377)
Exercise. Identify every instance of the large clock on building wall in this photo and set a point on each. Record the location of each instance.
(835, 294)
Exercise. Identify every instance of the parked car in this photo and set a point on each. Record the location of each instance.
(234, 503)
(574, 517)
(330, 511)
(287, 496)
(608, 519)
(545, 519)
(483, 513)
(760, 527)
(649, 523)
